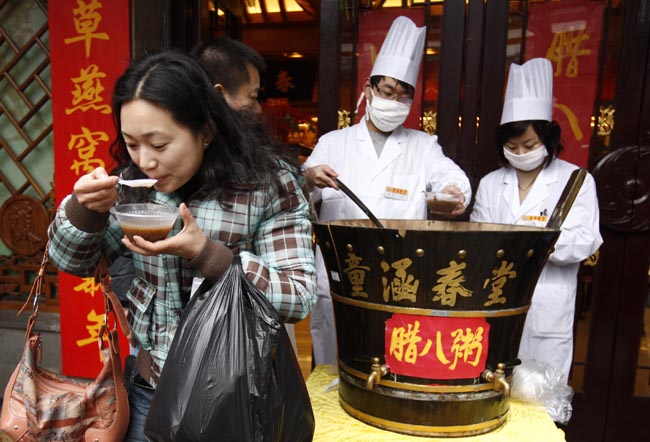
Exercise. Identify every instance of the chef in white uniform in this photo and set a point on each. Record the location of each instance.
(386, 165)
(524, 192)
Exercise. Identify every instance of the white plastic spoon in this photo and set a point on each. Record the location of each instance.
(145, 182)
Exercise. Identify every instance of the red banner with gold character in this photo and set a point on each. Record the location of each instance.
(568, 34)
(89, 46)
(436, 347)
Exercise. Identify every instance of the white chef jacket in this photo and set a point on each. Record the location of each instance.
(548, 332)
(410, 160)
(392, 186)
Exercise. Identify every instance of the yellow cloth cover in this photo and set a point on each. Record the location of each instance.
(525, 421)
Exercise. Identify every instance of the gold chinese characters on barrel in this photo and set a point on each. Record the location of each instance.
(429, 315)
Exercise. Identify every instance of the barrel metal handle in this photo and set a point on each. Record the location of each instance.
(498, 378)
(377, 370)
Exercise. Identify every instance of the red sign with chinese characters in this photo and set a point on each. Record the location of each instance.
(89, 44)
(436, 347)
(569, 36)
(373, 27)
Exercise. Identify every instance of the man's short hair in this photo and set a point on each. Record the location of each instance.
(375, 79)
(226, 61)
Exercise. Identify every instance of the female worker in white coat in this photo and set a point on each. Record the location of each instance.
(524, 192)
(386, 165)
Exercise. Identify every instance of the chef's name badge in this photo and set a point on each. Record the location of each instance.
(395, 193)
(533, 218)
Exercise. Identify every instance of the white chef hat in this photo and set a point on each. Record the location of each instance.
(401, 52)
(529, 93)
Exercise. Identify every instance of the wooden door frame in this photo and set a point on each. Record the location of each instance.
(607, 410)
(626, 413)
(472, 71)
(329, 66)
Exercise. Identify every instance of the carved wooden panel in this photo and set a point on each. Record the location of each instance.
(623, 184)
(16, 276)
(26, 148)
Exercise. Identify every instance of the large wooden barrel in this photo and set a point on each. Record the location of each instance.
(429, 315)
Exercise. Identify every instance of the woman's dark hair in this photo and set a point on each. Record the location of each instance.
(547, 131)
(241, 154)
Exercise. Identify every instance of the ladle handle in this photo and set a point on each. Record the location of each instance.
(567, 198)
(359, 203)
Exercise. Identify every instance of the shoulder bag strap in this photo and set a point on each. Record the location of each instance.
(35, 294)
(101, 275)
(112, 302)
(118, 428)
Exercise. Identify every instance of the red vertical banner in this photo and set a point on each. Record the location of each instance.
(373, 27)
(89, 47)
(568, 34)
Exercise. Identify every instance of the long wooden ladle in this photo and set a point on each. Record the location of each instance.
(567, 198)
(359, 203)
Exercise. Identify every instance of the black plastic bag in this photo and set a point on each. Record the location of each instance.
(231, 373)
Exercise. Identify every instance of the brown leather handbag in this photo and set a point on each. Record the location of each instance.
(40, 405)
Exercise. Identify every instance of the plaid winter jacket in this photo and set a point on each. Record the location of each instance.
(280, 260)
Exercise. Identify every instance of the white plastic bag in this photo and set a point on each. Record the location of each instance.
(536, 381)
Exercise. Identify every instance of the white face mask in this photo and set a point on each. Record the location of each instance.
(385, 114)
(527, 161)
